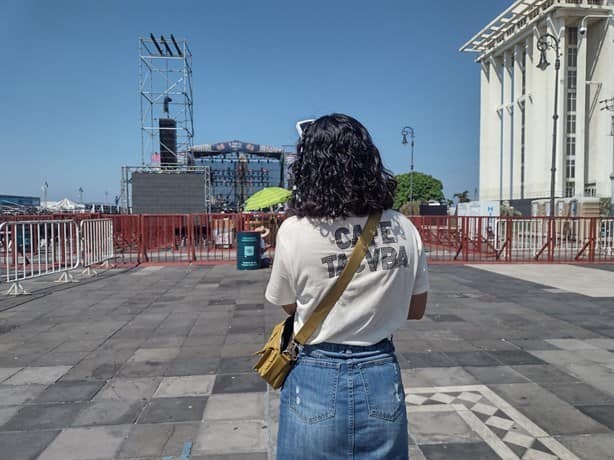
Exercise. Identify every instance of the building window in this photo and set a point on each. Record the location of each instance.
(570, 116)
(571, 123)
(572, 56)
(571, 101)
(570, 170)
(572, 36)
(572, 78)
(590, 189)
(571, 146)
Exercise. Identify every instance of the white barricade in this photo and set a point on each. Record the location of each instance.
(605, 237)
(31, 249)
(96, 242)
(528, 235)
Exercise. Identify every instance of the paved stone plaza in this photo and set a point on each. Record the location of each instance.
(137, 363)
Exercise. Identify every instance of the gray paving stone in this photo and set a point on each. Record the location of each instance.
(545, 373)
(438, 376)
(496, 374)
(235, 406)
(146, 441)
(193, 385)
(25, 445)
(415, 453)
(517, 357)
(477, 358)
(231, 437)
(245, 456)
(129, 389)
(474, 451)
(93, 443)
(165, 410)
(603, 413)
(533, 344)
(236, 364)
(109, 412)
(493, 345)
(433, 359)
(239, 383)
(71, 391)
(180, 433)
(440, 428)
(19, 394)
(44, 417)
(6, 372)
(578, 393)
(7, 413)
(192, 364)
(54, 358)
(546, 410)
(101, 364)
(37, 375)
(593, 447)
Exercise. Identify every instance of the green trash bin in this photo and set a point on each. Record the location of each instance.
(248, 250)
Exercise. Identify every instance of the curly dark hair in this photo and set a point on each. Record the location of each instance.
(338, 171)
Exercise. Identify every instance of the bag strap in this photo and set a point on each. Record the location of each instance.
(333, 294)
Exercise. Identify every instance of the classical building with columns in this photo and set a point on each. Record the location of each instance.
(518, 98)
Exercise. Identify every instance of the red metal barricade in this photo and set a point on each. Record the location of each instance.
(212, 238)
(451, 239)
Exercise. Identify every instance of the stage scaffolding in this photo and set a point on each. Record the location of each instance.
(165, 86)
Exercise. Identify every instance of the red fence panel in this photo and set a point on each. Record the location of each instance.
(212, 238)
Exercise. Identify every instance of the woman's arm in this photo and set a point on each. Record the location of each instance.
(417, 306)
(290, 308)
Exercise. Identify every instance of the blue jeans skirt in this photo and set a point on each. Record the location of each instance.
(343, 402)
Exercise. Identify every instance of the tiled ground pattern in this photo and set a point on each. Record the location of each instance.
(135, 364)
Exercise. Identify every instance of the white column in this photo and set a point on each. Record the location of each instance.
(496, 96)
(485, 132)
(560, 31)
(517, 131)
(490, 134)
(540, 85)
(507, 151)
(581, 120)
(530, 124)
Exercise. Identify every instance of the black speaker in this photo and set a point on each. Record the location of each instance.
(168, 141)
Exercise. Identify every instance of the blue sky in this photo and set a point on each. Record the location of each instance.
(70, 81)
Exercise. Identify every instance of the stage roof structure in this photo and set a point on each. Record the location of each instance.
(209, 150)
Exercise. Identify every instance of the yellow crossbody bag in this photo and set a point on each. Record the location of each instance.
(280, 352)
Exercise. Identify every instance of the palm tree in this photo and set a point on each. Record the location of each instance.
(463, 197)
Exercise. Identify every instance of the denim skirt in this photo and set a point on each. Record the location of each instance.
(343, 402)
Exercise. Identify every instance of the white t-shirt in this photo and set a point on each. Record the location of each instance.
(309, 256)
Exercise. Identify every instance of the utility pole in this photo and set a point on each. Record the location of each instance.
(608, 105)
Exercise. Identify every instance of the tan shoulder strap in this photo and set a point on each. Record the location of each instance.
(331, 297)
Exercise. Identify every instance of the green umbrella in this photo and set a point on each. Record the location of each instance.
(266, 198)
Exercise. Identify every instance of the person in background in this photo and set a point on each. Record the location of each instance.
(265, 260)
(344, 397)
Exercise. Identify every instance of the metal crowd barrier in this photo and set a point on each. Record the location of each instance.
(452, 239)
(96, 243)
(35, 248)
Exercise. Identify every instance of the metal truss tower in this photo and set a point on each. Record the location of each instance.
(165, 86)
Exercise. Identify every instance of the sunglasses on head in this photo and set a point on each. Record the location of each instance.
(301, 126)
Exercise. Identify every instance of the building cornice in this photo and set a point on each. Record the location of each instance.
(518, 19)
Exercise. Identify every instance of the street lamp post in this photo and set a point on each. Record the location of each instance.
(409, 131)
(608, 105)
(545, 42)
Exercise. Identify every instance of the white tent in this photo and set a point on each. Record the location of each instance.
(62, 205)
